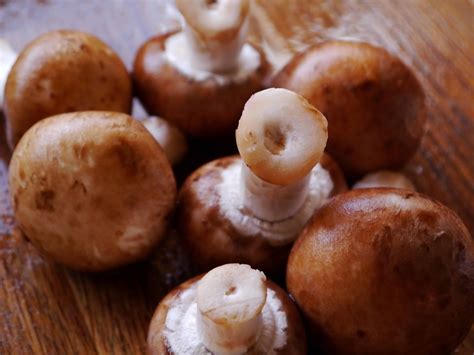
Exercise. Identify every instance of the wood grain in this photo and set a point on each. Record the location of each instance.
(47, 309)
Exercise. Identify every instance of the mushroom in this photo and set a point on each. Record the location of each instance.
(251, 210)
(201, 77)
(380, 271)
(385, 178)
(92, 190)
(233, 309)
(64, 71)
(373, 102)
(170, 137)
(7, 58)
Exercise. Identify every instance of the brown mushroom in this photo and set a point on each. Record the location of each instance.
(64, 71)
(385, 178)
(373, 102)
(384, 271)
(92, 190)
(232, 309)
(251, 210)
(201, 77)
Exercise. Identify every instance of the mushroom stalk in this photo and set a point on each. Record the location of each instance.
(230, 300)
(214, 32)
(214, 56)
(281, 138)
(271, 202)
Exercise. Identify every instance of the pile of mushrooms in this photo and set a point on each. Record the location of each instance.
(377, 269)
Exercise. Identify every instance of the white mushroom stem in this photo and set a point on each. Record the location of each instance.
(7, 59)
(230, 300)
(271, 202)
(214, 33)
(281, 138)
(170, 137)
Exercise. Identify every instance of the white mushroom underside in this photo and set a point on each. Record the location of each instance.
(7, 59)
(181, 56)
(231, 200)
(182, 337)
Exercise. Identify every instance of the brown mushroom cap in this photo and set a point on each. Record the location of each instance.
(295, 333)
(374, 105)
(92, 190)
(384, 271)
(201, 108)
(64, 71)
(210, 237)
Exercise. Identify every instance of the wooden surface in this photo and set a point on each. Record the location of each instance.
(47, 309)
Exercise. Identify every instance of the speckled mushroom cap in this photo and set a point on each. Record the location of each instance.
(201, 108)
(384, 271)
(92, 190)
(374, 105)
(212, 238)
(64, 71)
(157, 344)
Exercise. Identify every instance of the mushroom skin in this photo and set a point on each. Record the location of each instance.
(384, 271)
(203, 108)
(385, 178)
(374, 104)
(211, 239)
(91, 190)
(64, 71)
(295, 333)
(7, 59)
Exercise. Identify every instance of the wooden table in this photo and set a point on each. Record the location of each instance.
(47, 309)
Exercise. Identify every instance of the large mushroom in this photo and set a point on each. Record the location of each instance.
(373, 102)
(384, 271)
(251, 210)
(233, 309)
(201, 77)
(64, 71)
(92, 190)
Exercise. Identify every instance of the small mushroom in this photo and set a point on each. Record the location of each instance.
(233, 309)
(380, 271)
(251, 210)
(7, 58)
(64, 71)
(385, 178)
(92, 190)
(201, 77)
(373, 102)
(170, 137)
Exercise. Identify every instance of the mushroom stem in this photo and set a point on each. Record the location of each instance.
(281, 138)
(230, 300)
(214, 56)
(7, 59)
(214, 32)
(271, 202)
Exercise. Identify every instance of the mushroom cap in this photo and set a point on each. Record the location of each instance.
(92, 190)
(384, 271)
(201, 108)
(374, 105)
(64, 71)
(212, 239)
(295, 333)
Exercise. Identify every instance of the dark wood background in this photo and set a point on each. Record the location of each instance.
(47, 309)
